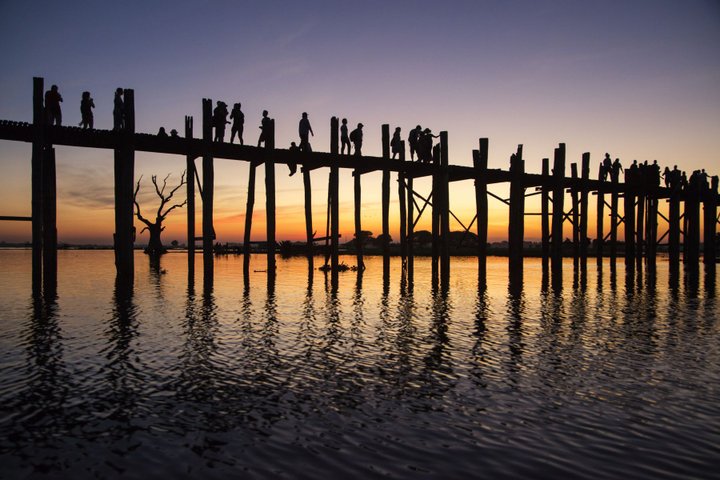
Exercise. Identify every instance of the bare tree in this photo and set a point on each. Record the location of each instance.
(155, 247)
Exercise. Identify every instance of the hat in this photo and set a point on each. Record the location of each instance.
(360, 125)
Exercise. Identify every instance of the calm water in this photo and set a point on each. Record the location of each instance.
(610, 376)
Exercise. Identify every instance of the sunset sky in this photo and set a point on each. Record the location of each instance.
(639, 79)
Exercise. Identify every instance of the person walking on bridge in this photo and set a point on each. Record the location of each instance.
(304, 129)
(356, 137)
(344, 139)
(52, 106)
(238, 118)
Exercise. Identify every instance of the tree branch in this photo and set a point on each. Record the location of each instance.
(137, 206)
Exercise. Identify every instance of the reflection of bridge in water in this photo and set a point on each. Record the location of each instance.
(640, 215)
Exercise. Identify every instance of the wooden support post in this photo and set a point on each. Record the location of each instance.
(710, 224)
(124, 190)
(516, 230)
(435, 216)
(651, 229)
(558, 208)
(190, 195)
(629, 200)
(49, 218)
(445, 212)
(613, 221)
(600, 229)
(410, 230)
(358, 223)
(545, 214)
(386, 201)
(38, 153)
(480, 162)
(674, 229)
(640, 232)
(334, 206)
(208, 233)
(249, 207)
(575, 216)
(308, 214)
(270, 197)
(403, 211)
(585, 172)
(691, 251)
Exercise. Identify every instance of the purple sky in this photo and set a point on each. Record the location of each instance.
(639, 79)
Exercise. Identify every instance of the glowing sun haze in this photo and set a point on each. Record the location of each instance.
(639, 79)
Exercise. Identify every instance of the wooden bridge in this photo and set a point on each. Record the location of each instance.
(640, 213)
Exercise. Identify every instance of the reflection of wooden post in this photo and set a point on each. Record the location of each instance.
(600, 240)
(334, 193)
(585, 172)
(124, 190)
(709, 241)
(403, 211)
(651, 228)
(38, 149)
(358, 224)
(613, 221)
(270, 197)
(629, 201)
(386, 201)
(190, 195)
(49, 220)
(558, 206)
(691, 253)
(640, 232)
(480, 162)
(545, 214)
(575, 216)
(410, 229)
(516, 221)
(208, 182)
(445, 212)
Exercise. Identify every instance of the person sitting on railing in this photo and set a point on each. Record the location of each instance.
(292, 165)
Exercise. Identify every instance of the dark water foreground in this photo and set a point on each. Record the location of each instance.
(612, 376)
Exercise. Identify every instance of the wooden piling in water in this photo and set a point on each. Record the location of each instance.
(600, 219)
(49, 221)
(444, 177)
(558, 212)
(480, 162)
(584, 194)
(357, 190)
(516, 221)
(309, 244)
(575, 216)
(270, 197)
(651, 228)
(386, 201)
(410, 230)
(208, 184)
(545, 215)
(190, 195)
(402, 209)
(614, 199)
(629, 214)
(435, 216)
(691, 251)
(640, 232)
(710, 228)
(249, 207)
(334, 201)
(674, 228)
(38, 152)
(124, 168)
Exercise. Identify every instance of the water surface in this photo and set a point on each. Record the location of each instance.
(605, 375)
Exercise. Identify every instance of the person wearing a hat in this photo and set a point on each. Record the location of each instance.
(356, 137)
(174, 133)
(220, 120)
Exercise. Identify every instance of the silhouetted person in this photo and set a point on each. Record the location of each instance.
(413, 139)
(86, 113)
(356, 137)
(425, 144)
(238, 118)
(655, 168)
(304, 129)
(264, 128)
(220, 120)
(118, 110)
(667, 175)
(632, 173)
(174, 133)
(52, 106)
(292, 165)
(616, 169)
(344, 139)
(607, 166)
(162, 132)
(396, 143)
